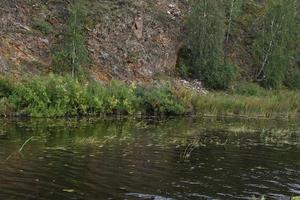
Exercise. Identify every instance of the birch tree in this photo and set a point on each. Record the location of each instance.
(206, 34)
(233, 10)
(275, 45)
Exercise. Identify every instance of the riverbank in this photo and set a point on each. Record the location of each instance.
(57, 96)
(272, 104)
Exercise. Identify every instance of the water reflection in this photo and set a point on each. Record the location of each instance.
(188, 158)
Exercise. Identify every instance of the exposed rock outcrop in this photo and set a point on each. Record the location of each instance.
(132, 40)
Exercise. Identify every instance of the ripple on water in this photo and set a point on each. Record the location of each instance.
(146, 165)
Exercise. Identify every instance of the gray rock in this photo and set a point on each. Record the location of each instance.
(3, 64)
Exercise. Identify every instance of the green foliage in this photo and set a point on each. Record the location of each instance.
(6, 87)
(294, 81)
(183, 71)
(275, 45)
(74, 54)
(159, 100)
(56, 96)
(6, 107)
(42, 25)
(276, 69)
(121, 98)
(233, 9)
(184, 63)
(50, 96)
(206, 37)
(223, 77)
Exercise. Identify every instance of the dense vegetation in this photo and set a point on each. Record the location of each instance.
(58, 96)
(206, 37)
(267, 30)
(54, 96)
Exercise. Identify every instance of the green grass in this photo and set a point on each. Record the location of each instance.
(281, 103)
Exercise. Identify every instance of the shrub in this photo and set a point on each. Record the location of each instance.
(55, 96)
(31, 97)
(6, 108)
(121, 98)
(219, 78)
(183, 70)
(96, 95)
(6, 87)
(185, 97)
(294, 81)
(50, 96)
(184, 63)
(159, 101)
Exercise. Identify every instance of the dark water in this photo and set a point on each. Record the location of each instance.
(149, 159)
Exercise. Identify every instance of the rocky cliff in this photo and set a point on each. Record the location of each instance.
(126, 39)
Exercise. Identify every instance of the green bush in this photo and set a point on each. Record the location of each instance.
(50, 96)
(6, 107)
(293, 81)
(55, 96)
(121, 98)
(219, 78)
(6, 87)
(159, 101)
(183, 71)
(96, 95)
(184, 63)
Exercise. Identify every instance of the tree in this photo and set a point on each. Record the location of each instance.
(275, 45)
(233, 8)
(74, 54)
(206, 34)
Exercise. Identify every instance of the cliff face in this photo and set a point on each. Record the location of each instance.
(126, 39)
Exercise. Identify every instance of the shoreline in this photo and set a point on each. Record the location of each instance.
(56, 96)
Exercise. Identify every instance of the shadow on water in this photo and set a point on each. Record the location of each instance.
(188, 158)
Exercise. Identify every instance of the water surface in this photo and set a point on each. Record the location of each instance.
(190, 158)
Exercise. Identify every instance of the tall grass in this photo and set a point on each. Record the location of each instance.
(272, 104)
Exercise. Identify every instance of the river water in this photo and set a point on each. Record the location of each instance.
(186, 158)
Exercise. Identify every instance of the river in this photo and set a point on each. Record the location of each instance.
(135, 159)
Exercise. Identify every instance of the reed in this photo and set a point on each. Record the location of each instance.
(274, 104)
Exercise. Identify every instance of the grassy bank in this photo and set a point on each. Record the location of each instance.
(57, 96)
(282, 103)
